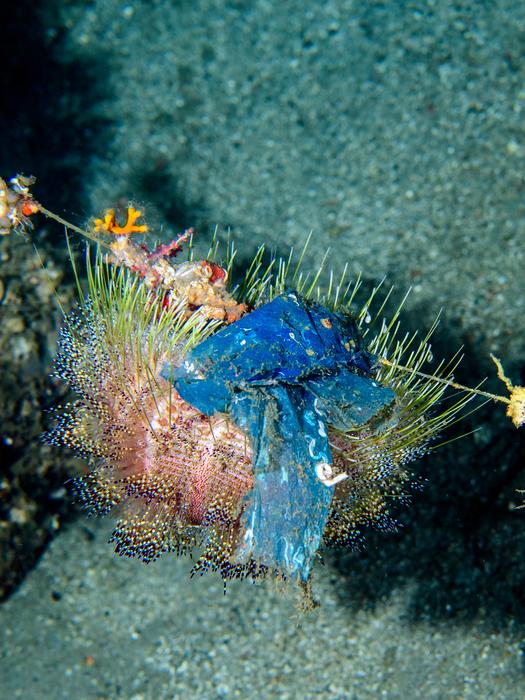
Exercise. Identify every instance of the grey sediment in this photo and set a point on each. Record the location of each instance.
(394, 132)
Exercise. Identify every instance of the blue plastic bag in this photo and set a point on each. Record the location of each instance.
(285, 373)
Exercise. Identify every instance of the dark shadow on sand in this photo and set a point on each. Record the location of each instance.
(48, 129)
(47, 118)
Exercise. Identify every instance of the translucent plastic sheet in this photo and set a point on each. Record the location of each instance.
(285, 373)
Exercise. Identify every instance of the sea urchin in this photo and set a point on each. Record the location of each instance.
(253, 428)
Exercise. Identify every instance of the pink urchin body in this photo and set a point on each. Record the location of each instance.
(167, 468)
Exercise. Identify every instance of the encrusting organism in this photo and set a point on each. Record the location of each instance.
(16, 204)
(251, 422)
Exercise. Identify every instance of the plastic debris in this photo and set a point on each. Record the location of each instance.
(285, 373)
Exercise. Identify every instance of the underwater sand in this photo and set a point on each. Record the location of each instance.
(395, 132)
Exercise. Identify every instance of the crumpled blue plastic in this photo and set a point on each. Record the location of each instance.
(284, 373)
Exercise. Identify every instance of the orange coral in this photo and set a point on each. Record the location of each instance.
(16, 204)
(516, 400)
(109, 223)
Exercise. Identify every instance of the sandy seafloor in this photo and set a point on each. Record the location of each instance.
(395, 132)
